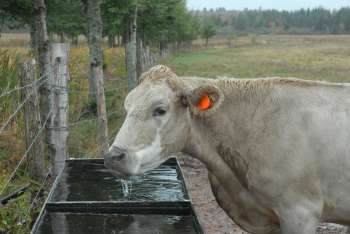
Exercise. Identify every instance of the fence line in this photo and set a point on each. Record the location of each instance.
(25, 154)
(19, 107)
(149, 59)
(91, 119)
(22, 87)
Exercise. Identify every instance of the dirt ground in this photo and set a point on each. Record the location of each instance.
(212, 218)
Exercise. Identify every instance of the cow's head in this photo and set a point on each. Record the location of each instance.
(158, 121)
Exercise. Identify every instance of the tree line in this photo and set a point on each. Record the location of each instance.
(159, 22)
(303, 21)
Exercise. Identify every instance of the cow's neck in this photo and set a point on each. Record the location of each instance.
(221, 142)
(200, 148)
(205, 144)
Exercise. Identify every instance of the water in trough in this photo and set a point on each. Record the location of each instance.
(91, 181)
(91, 223)
(156, 202)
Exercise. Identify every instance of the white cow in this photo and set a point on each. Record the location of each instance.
(277, 150)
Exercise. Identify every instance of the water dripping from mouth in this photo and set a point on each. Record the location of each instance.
(127, 187)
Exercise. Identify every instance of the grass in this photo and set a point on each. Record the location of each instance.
(308, 57)
(82, 140)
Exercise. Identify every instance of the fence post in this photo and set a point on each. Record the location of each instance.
(32, 121)
(58, 129)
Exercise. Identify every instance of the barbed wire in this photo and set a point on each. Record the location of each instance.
(87, 91)
(36, 59)
(6, 93)
(19, 107)
(92, 119)
(25, 154)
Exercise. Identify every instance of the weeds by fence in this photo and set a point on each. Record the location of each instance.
(24, 156)
(82, 123)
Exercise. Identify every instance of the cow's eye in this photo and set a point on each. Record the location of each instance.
(159, 111)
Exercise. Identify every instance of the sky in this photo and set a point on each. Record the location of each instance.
(266, 4)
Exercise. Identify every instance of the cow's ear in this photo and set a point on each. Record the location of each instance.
(204, 100)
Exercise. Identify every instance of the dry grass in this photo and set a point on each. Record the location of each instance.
(14, 40)
(308, 57)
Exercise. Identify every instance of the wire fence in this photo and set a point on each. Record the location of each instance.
(19, 107)
(24, 156)
(115, 89)
(36, 82)
(35, 85)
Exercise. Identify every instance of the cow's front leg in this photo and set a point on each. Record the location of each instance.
(298, 220)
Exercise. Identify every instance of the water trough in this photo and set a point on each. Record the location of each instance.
(86, 198)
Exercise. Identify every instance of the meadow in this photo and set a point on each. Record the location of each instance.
(307, 57)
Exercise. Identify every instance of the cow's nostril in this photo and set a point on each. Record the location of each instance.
(119, 157)
(117, 154)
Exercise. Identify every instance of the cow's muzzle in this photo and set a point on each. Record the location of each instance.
(114, 157)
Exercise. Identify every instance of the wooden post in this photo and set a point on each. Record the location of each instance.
(58, 130)
(32, 121)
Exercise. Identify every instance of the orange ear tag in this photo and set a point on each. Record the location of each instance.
(204, 103)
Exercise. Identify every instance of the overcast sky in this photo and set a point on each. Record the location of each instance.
(266, 4)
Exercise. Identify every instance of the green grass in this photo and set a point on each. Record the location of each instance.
(308, 57)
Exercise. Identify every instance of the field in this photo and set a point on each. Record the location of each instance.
(307, 57)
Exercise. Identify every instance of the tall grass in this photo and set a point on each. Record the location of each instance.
(83, 136)
(11, 143)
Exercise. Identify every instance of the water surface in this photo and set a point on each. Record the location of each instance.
(91, 181)
(92, 223)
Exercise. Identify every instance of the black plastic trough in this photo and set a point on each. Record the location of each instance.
(86, 198)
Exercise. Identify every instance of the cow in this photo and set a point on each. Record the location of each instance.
(277, 149)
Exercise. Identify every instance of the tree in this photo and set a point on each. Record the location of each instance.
(208, 31)
(66, 21)
(114, 17)
(130, 48)
(22, 13)
(96, 68)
